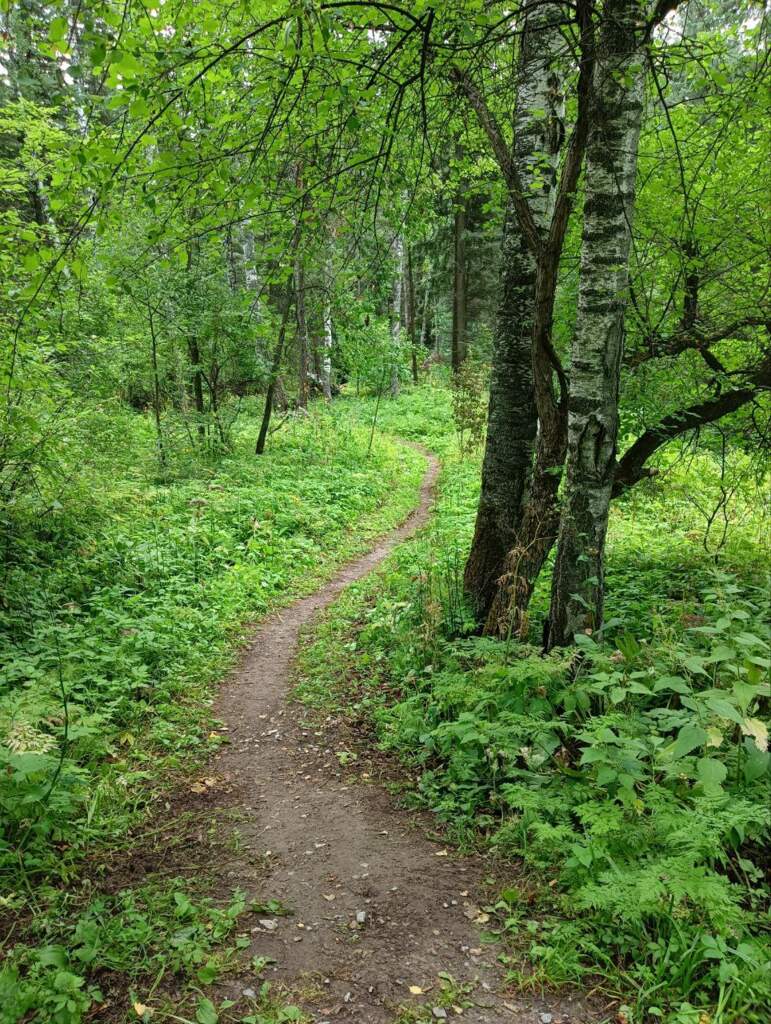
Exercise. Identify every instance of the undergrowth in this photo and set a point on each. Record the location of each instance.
(626, 783)
(121, 606)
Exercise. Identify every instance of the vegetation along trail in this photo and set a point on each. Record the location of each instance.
(259, 262)
(377, 911)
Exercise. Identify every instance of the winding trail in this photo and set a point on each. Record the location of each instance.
(376, 906)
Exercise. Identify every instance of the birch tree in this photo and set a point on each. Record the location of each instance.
(611, 163)
(512, 414)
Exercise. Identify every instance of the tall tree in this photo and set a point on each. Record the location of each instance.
(530, 172)
(396, 313)
(459, 284)
(611, 164)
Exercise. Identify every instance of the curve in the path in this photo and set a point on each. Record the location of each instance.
(376, 906)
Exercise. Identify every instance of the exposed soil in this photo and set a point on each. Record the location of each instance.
(376, 906)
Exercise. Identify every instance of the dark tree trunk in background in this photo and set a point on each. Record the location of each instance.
(274, 380)
(409, 312)
(611, 161)
(396, 314)
(458, 350)
(194, 351)
(156, 389)
(302, 333)
(326, 357)
(425, 318)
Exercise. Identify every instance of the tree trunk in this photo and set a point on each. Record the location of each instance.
(302, 332)
(511, 425)
(458, 349)
(326, 357)
(194, 351)
(409, 312)
(396, 315)
(425, 319)
(273, 381)
(611, 161)
(534, 540)
(156, 389)
(512, 415)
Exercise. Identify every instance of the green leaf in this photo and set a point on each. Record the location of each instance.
(208, 973)
(724, 709)
(206, 1012)
(711, 773)
(689, 738)
(58, 29)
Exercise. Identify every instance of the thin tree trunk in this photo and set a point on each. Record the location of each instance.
(578, 580)
(396, 314)
(156, 390)
(274, 372)
(458, 349)
(512, 413)
(302, 332)
(326, 356)
(194, 351)
(409, 311)
(425, 318)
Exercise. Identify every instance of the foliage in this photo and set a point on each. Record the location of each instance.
(122, 607)
(155, 933)
(632, 775)
(469, 409)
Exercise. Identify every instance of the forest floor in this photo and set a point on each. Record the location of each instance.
(365, 917)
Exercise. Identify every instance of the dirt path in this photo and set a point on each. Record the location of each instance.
(376, 906)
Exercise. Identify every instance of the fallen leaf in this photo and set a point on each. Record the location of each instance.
(416, 990)
(140, 1010)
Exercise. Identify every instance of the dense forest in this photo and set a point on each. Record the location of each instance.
(479, 291)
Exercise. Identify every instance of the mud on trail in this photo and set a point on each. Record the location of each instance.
(376, 907)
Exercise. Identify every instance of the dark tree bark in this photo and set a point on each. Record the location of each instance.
(611, 161)
(302, 333)
(194, 352)
(458, 349)
(512, 412)
(396, 314)
(409, 312)
(156, 388)
(278, 353)
(511, 425)
(539, 520)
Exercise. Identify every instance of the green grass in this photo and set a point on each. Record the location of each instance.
(122, 606)
(628, 790)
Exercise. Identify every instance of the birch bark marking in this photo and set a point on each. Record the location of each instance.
(611, 163)
(512, 416)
